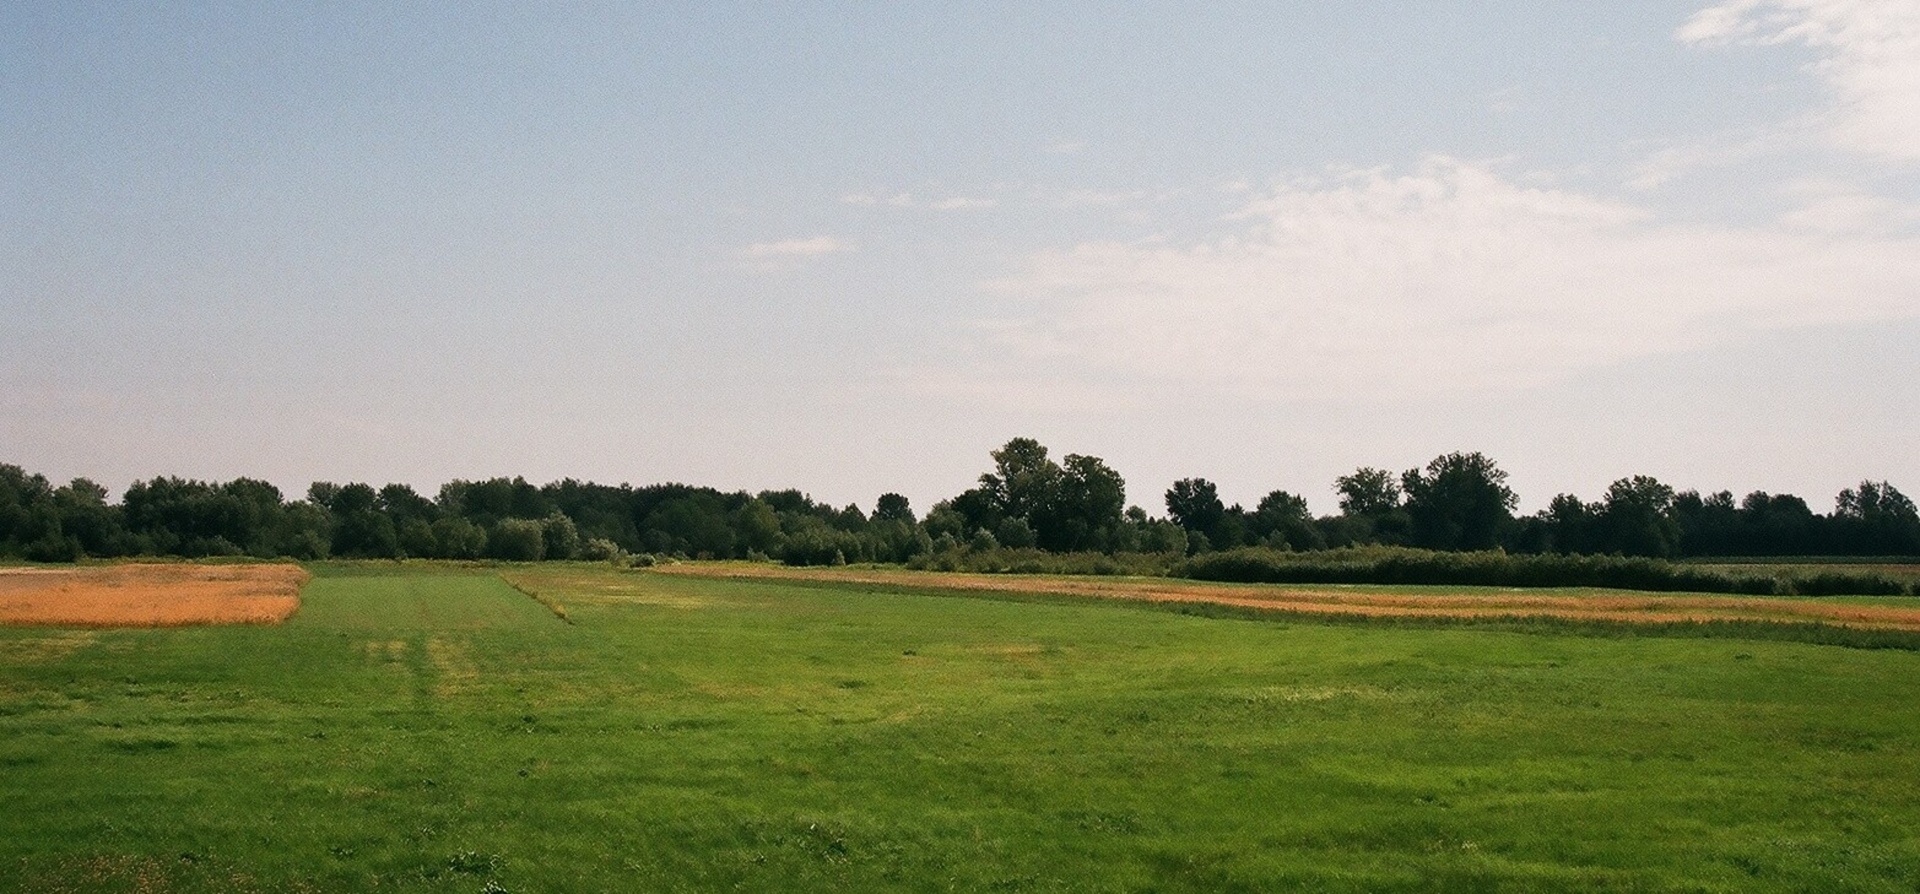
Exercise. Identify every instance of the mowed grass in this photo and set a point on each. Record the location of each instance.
(432, 728)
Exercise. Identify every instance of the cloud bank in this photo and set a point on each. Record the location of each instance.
(1870, 60)
(1449, 277)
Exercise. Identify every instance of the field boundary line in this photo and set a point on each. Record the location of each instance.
(551, 605)
(1339, 605)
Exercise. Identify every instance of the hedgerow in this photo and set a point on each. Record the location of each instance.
(1399, 565)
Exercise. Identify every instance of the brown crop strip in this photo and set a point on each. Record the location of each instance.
(170, 595)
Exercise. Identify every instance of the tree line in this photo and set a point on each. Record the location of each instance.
(1457, 502)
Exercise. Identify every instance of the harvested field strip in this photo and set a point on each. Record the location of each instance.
(150, 595)
(1611, 606)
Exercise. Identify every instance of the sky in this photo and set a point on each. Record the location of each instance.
(852, 248)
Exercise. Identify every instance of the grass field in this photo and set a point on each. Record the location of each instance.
(434, 728)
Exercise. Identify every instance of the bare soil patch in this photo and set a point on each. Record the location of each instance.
(150, 595)
(1616, 606)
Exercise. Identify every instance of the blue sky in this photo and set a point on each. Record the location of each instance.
(851, 248)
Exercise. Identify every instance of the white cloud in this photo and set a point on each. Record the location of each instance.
(1448, 278)
(906, 200)
(1839, 207)
(818, 245)
(1673, 162)
(962, 203)
(1870, 61)
(1082, 198)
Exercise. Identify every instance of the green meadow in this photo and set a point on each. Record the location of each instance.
(436, 728)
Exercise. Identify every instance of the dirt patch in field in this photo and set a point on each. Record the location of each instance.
(150, 595)
(1610, 606)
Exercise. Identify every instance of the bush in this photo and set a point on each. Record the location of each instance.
(1396, 565)
(1841, 583)
(1035, 561)
(54, 548)
(517, 540)
(600, 549)
(560, 537)
(819, 546)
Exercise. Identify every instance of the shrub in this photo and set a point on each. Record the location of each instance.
(819, 546)
(517, 540)
(1035, 561)
(1397, 565)
(1841, 583)
(560, 537)
(600, 549)
(54, 548)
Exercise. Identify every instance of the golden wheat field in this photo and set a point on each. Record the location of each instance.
(153, 595)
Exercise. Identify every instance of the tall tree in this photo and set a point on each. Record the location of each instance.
(1777, 525)
(1709, 525)
(1194, 504)
(1572, 525)
(1368, 492)
(1876, 519)
(1024, 483)
(1371, 510)
(892, 507)
(1637, 518)
(1460, 501)
(1282, 519)
(1090, 501)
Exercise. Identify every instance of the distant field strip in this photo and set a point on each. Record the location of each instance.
(150, 595)
(1610, 606)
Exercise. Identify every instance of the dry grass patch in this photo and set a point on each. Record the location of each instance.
(1613, 606)
(454, 662)
(598, 589)
(150, 595)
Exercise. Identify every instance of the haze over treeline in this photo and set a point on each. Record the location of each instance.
(1026, 500)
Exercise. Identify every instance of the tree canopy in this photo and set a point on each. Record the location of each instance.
(1458, 501)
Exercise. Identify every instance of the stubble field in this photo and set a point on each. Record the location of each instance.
(134, 595)
(434, 728)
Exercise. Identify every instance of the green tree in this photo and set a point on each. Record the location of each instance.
(1089, 503)
(758, 527)
(1459, 502)
(87, 517)
(693, 524)
(517, 540)
(1368, 492)
(1371, 510)
(1777, 525)
(403, 504)
(892, 507)
(1709, 525)
(1015, 532)
(1573, 526)
(457, 538)
(945, 521)
(360, 529)
(559, 536)
(1024, 483)
(1194, 504)
(1282, 520)
(1637, 518)
(1876, 519)
(20, 494)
